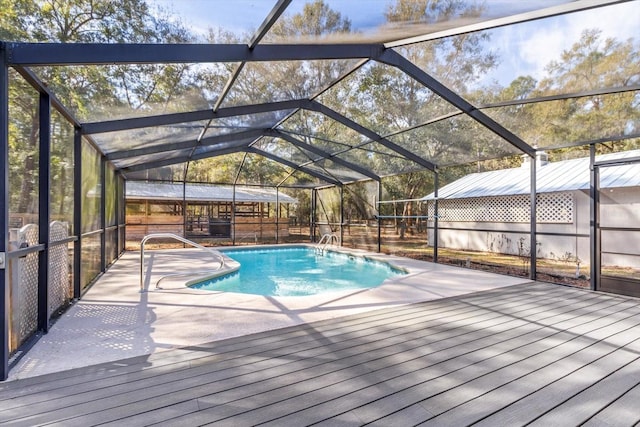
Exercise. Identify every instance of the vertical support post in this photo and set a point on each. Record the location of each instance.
(4, 216)
(103, 211)
(147, 213)
(379, 224)
(533, 243)
(43, 210)
(185, 221)
(312, 215)
(233, 216)
(594, 223)
(341, 213)
(184, 211)
(117, 212)
(435, 215)
(124, 216)
(277, 214)
(77, 212)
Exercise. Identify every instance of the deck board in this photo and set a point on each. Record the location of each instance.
(401, 376)
(527, 353)
(371, 358)
(547, 376)
(623, 410)
(473, 362)
(615, 374)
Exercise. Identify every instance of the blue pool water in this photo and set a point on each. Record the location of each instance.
(298, 272)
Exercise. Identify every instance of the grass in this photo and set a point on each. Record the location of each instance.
(414, 246)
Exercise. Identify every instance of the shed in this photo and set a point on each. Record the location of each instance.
(490, 211)
(221, 211)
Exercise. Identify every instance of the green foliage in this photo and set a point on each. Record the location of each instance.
(13, 17)
(90, 191)
(377, 96)
(23, 146)
(268, 82)
(591, 63)
(302, 209)
(328, 205)
(96, 93)
(61, 169)
(316, 19)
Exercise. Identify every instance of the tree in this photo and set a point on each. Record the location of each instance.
(13, 17)
(590, 63)
(268, 82)
(317, 19)
(90, 92)
(275, 81)
(388, 100)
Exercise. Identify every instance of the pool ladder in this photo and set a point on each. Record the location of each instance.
(326, 240)
(218, 256)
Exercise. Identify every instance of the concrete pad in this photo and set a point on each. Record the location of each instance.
(114, 320)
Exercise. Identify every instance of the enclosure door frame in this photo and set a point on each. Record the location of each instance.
(599, 281)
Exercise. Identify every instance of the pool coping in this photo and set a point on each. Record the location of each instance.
(114, 320)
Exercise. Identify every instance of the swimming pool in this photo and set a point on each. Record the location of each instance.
(298, 271)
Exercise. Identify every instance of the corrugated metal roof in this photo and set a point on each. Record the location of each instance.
(204, 193)
(566, 175)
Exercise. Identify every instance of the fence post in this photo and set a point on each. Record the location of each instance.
(77, 212)
(4, 214)
(533, 245)
(44, 212)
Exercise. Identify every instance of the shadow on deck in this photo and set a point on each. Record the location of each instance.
(538, 353)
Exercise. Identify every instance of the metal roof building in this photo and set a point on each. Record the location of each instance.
(565, 175)
(139, 190)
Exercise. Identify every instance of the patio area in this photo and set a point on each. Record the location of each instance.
(115, 321)
(281, 121)
(512, 355)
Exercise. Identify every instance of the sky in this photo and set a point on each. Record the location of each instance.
(525, 49)
(246, 15)
(528, 48)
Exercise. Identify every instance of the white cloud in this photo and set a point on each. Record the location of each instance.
(526, 49)
(239, 16)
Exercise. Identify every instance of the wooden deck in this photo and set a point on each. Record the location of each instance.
(528, 354)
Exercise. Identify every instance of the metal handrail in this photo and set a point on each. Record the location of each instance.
(144, 240)
(321, 241)
(327, 239)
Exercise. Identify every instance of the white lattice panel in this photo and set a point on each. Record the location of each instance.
(555, 207)
(28, 279)
(550, 208)
(59, 281)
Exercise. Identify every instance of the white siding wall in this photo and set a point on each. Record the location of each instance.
(620, 207)
(489, 236)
